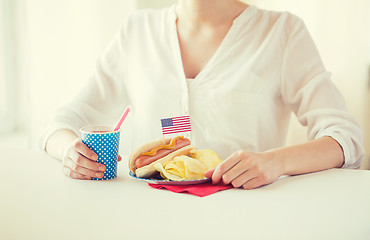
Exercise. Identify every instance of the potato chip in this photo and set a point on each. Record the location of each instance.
(208, 157)
(189, 168)
(166, 175)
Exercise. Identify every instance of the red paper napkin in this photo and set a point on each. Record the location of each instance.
(201, 190)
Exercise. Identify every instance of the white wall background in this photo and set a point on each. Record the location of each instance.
(12, 67)
(64, 39)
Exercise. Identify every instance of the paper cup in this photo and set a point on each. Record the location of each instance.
(104, 142)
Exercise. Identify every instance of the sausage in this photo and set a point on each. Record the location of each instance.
(146, 160)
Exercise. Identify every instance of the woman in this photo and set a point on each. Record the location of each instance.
(238, 71)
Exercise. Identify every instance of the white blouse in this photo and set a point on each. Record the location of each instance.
(266, 67)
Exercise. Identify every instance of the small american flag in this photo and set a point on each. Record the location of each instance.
(176, 125)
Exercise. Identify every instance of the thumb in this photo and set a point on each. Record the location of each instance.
(209, 173)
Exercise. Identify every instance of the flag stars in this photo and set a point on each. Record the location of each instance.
(176, 125)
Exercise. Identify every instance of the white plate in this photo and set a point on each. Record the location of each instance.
(170, 182)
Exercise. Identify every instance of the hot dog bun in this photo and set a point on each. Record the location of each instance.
(144, 148)
(149, 170)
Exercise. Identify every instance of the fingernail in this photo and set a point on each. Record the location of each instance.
(102, 168)
(99, 175)
(95, 157)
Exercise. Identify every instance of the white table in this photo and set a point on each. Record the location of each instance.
(38, 202)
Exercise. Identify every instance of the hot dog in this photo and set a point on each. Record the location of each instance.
(142, 160)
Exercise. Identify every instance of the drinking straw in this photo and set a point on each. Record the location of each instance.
(124, 115)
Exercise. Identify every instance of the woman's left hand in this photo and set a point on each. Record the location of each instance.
(246, 169)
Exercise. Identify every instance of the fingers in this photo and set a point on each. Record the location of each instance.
(254, 183)
(209, 173)
(80, 167)
(243, 178)
(86, 158)
(68, 172)
(80, 147)
(225, 166)
(244, 169)
(241, 168)
(80, 162)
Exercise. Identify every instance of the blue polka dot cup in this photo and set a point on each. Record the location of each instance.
(104, 142)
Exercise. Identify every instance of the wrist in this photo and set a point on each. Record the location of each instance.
(59, 142)
(276, 156)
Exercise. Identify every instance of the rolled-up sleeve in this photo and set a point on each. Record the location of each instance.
(308, 90)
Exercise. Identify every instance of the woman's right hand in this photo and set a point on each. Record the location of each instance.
(80, 162)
